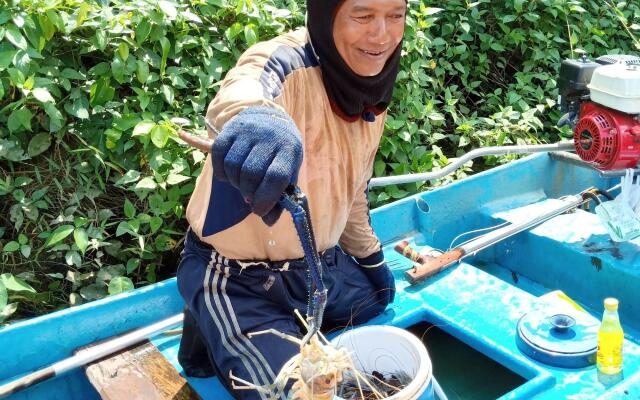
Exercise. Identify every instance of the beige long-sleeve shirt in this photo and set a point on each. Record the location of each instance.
(337, 164)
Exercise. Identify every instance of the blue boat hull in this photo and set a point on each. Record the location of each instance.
(478, 301)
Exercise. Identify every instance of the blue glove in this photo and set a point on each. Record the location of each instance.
(382, 280)
(259, 152)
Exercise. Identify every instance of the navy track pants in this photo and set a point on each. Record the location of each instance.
(228, 299)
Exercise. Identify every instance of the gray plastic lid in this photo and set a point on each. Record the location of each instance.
(559, 337)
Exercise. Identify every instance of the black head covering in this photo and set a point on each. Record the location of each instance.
(353, 95)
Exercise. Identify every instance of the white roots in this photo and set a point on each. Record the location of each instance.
(316, 371)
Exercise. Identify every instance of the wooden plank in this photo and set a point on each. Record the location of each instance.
(139, 372)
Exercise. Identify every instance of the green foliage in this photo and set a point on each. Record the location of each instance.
(93, 180)
(484, 73)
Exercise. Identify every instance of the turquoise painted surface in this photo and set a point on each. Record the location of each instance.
(478, 301)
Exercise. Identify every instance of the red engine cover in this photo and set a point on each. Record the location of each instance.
(610, 139)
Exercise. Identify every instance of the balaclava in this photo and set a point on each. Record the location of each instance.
(355, 96)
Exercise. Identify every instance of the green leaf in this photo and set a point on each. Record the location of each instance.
(48, 28)
(16, 76)
(250, 34)
(147, 183)
(120, 284)
(101, 92)
(15, 284)
(110, 272)
(142, 72)
(72, 258)
(118, 70)
(123, 51)
(160, 135)
(518, 5)
(167, 92)
(142, 31)
(8, 310)
(166, 46)
(39, 144)
(174, 179)
(132, 265)
(82, 13)
(100, 69)
(4, 297)
(81, 238)
(56, 120)
(42, 95)
(55, 19)
(6, 55)
(93, 292)
(155, 224)
(124, 227)
(129, 209)
(233, 31)
(4, 16)
(25, 250)
(126, 122)
(143, 128)
(188, 15)
(22, 238)
(379, 167)
(20, 118)
(79, 108)
(15, 37)
(168, 9)
(59, 234)
(72, 74)
(432, 10)
(28, 84)
(130, 177)
(11, 247)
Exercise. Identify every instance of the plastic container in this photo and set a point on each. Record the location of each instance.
(388, 349)
(610, 339)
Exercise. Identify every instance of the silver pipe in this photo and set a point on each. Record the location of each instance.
(576, 160)
(459, 162)
(84, 357)
(493, 237)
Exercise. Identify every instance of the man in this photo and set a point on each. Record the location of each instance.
(321, 92)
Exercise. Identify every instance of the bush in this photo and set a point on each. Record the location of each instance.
(93, 181)
(484, 73)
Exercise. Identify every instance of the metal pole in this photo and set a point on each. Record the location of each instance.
(437, 264)
(493, 237)
(89, 355)
(576, 160)
(484, 151)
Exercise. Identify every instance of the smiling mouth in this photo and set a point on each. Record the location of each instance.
(373, 53)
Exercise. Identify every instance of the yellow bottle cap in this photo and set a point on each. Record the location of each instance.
(611, 304)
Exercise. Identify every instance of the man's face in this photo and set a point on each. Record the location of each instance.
(366, 32)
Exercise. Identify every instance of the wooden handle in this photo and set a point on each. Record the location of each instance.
(433, 266)
(406, 250)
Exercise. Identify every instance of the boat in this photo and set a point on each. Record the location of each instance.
(481, 303)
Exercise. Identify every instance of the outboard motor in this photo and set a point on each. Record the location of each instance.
(601, 100)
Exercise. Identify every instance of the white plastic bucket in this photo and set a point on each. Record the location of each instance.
(388, 349)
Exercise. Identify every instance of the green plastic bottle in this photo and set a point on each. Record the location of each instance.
(610, 339)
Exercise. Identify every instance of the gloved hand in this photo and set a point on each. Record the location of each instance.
(382, 280)
(259, 152)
